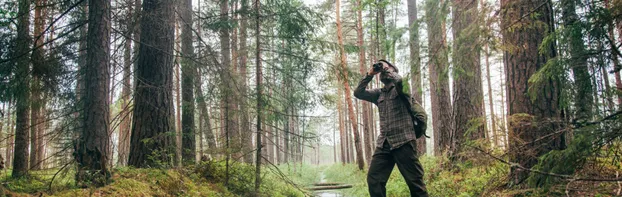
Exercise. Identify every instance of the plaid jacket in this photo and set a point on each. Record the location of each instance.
(395, 123)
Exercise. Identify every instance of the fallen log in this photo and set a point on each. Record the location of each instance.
(330, 187)
(326, 184)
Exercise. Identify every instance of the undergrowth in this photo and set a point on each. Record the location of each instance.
(439, 181)
(204, 179)
(477, 176)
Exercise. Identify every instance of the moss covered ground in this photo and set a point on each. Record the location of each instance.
(469, 178)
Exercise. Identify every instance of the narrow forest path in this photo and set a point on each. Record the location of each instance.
(325, 193)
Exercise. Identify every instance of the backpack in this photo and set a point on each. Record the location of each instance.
(415, 110)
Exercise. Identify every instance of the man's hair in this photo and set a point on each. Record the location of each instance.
(394, 68)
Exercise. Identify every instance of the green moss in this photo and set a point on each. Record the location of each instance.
(125, 182)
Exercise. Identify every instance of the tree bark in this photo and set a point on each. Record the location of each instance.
(153, 141)
(381, 36)
(245, 132)
(348, 92)
(468, 94)
(22, 97)
(228, 115)
(342, 132)
(240, 149)
(137, 17)
(36, 87)
(187, 84)
(439, 79)
(227, 85)
(415, 63)
(365, 105)
(92, 149)
(522, 61)
(177, 91)
(35, 116)
(123, 143)
(259, 100)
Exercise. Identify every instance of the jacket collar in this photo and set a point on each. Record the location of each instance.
(387, 88)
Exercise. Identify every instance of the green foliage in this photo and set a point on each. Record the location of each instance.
(349, 174)
(465, 180)
(126, 182)
(589, 143)
(242, 177)
(405, 83)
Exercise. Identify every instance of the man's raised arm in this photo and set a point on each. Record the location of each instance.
(361, 91)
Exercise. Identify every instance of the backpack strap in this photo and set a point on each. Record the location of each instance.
(406, 102)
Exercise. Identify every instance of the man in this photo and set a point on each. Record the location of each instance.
(396, 143)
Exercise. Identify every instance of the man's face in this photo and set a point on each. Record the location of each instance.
(387, 68)
(387, 73)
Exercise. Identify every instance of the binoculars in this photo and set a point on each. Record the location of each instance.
(377, 67)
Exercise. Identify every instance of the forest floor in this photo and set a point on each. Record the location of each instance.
(471, 178)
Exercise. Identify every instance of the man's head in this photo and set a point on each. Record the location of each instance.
(387, 64)
(389, 72)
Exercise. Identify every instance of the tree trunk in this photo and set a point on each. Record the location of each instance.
(342, 132)
(22, 97)
(607, 98)
(439, 79)
(348, 93)
(227, 85)
(617, 68)
(415, 63)
(349, 151)
(228, 115)
(187, 84)
(286, 134)
(334, 145)
(468, 94)
(521, 63)
(259, 99)
(202, 104)
(92, 149)
(504, 128)
(137, 17)
(10, 135)
(153, 141)
(578, 59)
(277, 144)
(45, 125)
(381, 37)
(365, 105)
(35, 115)
(243, 53)
(36, 88)
(123, 143)
(491, 104)
(5, 112)
(177, 91)
(213, 110)
(240, 150)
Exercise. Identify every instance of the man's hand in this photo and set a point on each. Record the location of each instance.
(372, 72)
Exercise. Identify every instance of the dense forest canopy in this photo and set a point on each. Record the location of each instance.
(523, 97)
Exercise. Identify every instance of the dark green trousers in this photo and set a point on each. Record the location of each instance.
(382, 163)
